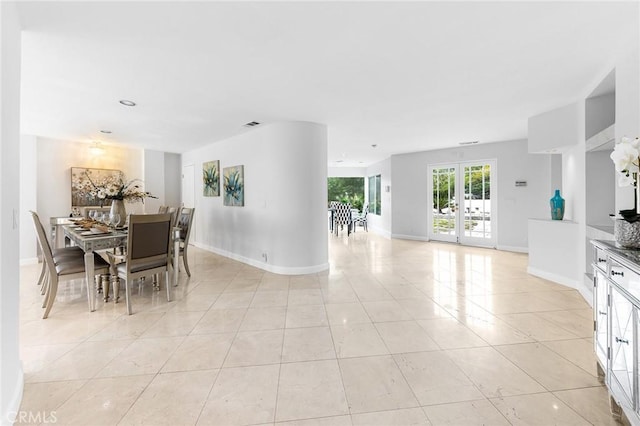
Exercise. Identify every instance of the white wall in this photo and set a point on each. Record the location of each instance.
(554, 129)
(57, 157)
(346, 171)
(162, 179)
(154, 179)
(515, 204)
(28, 197)
(172, 179)
(628, 105)
(11, 376)
(284, 216)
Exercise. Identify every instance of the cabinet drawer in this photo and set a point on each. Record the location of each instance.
(600, 259)
(624, 277)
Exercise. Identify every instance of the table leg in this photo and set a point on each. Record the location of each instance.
(90, 272)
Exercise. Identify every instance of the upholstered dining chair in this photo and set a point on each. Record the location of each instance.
(148, 252)
(185, 221)
(342, 216)
(57, 253)
(65, 267)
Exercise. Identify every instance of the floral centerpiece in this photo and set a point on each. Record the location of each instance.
(626, 158)
(113, 187)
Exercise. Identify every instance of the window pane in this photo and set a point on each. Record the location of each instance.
(375, 183)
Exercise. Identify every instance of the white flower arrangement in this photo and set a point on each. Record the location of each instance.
(626, 159)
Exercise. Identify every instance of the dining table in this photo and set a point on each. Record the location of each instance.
(93, 240)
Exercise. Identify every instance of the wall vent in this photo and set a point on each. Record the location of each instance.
(468, 143)
(252, 124)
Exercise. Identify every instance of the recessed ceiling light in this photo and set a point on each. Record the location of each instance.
(106, 132)
(374, 145)
(127, 103)
(468, 143)
(252, 124)
(339, 161)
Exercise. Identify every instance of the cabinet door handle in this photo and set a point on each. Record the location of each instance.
(619, 340)
(614, 273)
(602, 313)
(600, 260)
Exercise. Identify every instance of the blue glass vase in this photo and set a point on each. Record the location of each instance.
(557, 206)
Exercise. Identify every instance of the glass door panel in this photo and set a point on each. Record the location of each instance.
(443, 221)
(477, 201)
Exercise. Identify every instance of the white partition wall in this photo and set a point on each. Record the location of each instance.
(282, 226)
(11, 377)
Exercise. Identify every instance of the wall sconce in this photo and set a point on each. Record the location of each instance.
(96, 148)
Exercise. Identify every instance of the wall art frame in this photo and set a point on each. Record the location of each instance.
(82, 193)
(234, 186)
(211, 178)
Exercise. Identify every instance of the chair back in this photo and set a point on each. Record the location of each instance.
(163, 209)
(149, 242)
(185, 219)
(45, 247)
(343, 213)
(173, 211)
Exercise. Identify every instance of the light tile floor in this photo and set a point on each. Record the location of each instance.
(397, 332)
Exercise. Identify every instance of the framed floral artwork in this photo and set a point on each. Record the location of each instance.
(83, 185)
(234, 186)
(211, 178)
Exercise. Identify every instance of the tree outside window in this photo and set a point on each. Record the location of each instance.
(346, 190)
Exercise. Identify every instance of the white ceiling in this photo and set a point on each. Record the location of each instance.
(404, 76)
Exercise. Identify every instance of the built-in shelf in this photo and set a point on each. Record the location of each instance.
(608, 230)
(603, 140)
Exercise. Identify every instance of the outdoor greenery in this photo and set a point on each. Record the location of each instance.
(346, 190)
(449, 223)
(477, 185)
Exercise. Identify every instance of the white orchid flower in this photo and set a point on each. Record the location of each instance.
(625, 157)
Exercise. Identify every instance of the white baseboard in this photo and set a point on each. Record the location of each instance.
(29, 261)
(409, 237)
(14, 405)
(514, 249)
(282, 270)
(559, 279)
(421, 238)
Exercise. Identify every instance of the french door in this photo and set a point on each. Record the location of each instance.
(462, 200)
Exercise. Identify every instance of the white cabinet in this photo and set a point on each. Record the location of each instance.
(621, 367)
(616, 317)
(600, 312)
